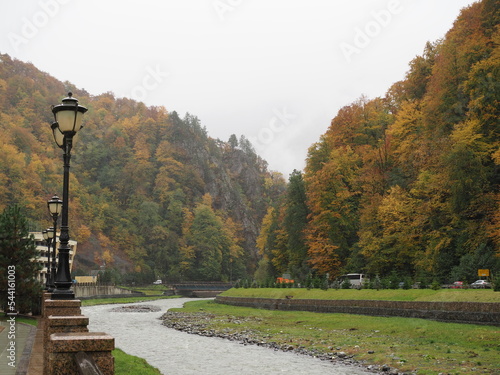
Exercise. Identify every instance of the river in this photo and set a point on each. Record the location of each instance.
(178, 353)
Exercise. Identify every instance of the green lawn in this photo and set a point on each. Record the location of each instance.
(424, 346)
(428, 295)
(21, 319)
(129, 364)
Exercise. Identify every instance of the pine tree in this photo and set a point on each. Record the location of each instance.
(17, 266)
(295, 221)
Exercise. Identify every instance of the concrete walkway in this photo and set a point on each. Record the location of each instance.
(24, 339)
(36, 355)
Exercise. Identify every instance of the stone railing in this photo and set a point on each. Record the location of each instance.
(458, 312)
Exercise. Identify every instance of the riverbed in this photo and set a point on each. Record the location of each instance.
(177, 353)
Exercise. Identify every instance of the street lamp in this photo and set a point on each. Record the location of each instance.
(68, 120)
(45, 234)
(52, 265)
(51, 271)
(55, 208)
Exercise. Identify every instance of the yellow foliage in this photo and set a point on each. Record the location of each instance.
(264, 230)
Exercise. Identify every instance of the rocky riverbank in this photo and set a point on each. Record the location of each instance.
(202, 324)
(136, 308)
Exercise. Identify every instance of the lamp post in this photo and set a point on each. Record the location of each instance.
(45, 234)
(55, 207)
(68, 120)
(52, 271)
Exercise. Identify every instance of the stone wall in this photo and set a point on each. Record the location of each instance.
(92, 290)
(458, 312)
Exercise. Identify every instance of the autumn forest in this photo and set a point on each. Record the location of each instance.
(406, 184)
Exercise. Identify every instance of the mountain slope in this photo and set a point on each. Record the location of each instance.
(137, 175)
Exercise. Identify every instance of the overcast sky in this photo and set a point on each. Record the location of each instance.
(276, 71)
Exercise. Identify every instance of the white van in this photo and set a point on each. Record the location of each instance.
(356, 279)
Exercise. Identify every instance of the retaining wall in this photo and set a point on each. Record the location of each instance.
(83, 291)
(457, 312)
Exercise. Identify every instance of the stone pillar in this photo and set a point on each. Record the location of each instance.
(45, 296)
(62, 307)
(61, 316)
(63, 348)
(65, 324)
(66, 334)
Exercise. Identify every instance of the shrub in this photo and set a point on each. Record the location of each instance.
(377, 283)
(385, 283)
(407, 283)
(346, 284)
(496, 283)
(435, 285)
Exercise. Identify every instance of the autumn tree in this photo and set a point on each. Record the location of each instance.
(211, 251)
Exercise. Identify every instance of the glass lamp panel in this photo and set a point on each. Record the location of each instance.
(50, 232)
(55, 206)
(58, 136)
(66, 120)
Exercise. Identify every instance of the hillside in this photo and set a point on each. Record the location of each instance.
(145, 183)
(406, 184)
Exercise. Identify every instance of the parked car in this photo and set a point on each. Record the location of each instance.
(480, 284)
(457, 285)
(157, 282)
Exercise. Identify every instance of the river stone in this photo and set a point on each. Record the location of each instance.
(136, 308)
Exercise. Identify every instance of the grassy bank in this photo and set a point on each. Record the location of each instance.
(21, 319)
(428, 295)
(423, 346)
(126, 364)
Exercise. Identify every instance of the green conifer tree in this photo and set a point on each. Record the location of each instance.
(17, 266)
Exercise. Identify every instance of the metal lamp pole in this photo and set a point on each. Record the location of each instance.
(55, 208)
(45, 235)
(68, 119)
(51, 272)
